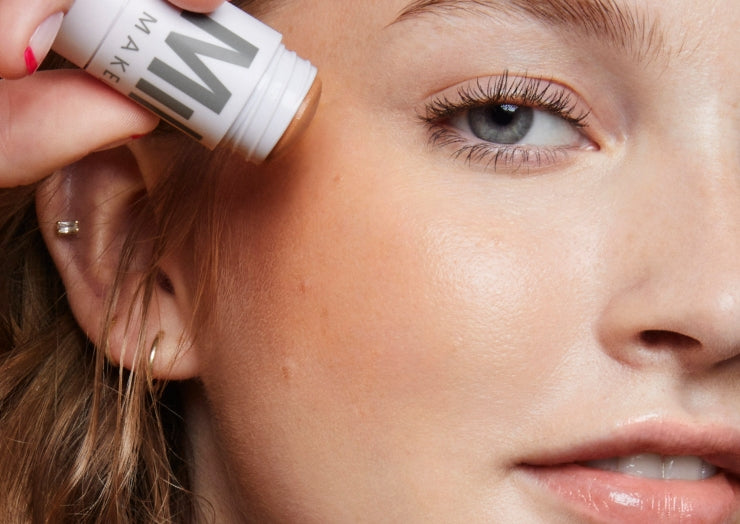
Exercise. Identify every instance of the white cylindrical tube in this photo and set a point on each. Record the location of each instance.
(222, 77)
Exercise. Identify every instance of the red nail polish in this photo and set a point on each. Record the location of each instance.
(31, 64)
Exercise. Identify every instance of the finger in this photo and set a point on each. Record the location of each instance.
(28, 28)
(57, 117)
(198, 6)
(26, 33)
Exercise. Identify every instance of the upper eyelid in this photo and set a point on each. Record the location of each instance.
(508, 88)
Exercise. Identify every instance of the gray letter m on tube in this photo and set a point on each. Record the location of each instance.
(216, 95)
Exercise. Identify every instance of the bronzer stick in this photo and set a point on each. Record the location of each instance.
(222, 77)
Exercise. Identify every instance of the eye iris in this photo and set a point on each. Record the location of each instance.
(502, 124)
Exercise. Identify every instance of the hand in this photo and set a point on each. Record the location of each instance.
(49, 119)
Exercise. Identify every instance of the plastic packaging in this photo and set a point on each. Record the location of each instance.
(224, 77)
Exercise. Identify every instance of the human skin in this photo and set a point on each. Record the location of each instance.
(399, 334)
(402, 332)
(40, 134)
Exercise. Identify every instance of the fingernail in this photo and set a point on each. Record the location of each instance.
(41, 41)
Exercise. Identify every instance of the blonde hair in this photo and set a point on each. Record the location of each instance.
(81, 440)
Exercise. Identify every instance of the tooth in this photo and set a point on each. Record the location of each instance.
(646, 465)
(650, 465)
(611, 464)
(708, 470)
(687, 468)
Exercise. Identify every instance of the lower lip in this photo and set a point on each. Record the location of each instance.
(610, 497)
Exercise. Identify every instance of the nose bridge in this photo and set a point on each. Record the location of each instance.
(679, 286)
(698, 218)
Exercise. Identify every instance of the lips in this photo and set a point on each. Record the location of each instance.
(646, 473)
(654, 466)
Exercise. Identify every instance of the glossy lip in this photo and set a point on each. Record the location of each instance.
(611, 497)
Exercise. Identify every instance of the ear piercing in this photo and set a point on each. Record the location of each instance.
(153, 351)
(68, 228)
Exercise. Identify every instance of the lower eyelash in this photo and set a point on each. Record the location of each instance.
(515, 158)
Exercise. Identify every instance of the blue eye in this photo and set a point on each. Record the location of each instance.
(502, 124)
(510, 124)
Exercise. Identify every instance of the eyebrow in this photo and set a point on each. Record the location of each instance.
(625, 27)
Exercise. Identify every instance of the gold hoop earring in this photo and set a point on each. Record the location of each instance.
(153, 351)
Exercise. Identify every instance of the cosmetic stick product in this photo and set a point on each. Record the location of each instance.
(222, 77)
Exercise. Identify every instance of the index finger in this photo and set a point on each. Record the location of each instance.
(25, 39)
(19, 22)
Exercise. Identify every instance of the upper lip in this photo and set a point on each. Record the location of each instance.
(717, 444)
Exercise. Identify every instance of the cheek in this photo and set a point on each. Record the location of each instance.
(370, 310)
(351, 283)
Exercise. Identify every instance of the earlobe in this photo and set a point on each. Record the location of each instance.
(86, 212)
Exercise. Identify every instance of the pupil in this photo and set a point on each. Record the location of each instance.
(503, 115)
(502, 123)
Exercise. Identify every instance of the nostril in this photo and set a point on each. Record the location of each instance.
(661, 338)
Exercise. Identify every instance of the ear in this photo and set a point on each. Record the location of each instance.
(101, 192)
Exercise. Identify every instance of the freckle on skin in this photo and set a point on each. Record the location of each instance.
(286, 372)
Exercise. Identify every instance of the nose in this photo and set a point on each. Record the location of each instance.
(674, 269)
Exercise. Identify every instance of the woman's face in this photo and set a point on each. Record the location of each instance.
(439, 304)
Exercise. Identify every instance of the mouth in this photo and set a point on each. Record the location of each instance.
(655, 466)
(646, 474)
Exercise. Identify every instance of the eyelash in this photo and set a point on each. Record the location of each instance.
(535, 92)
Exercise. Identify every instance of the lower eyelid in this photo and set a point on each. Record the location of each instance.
(514, 159)
(497, 157)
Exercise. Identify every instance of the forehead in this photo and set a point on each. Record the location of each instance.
(650, 31)
(395, 53)
(644, 24)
